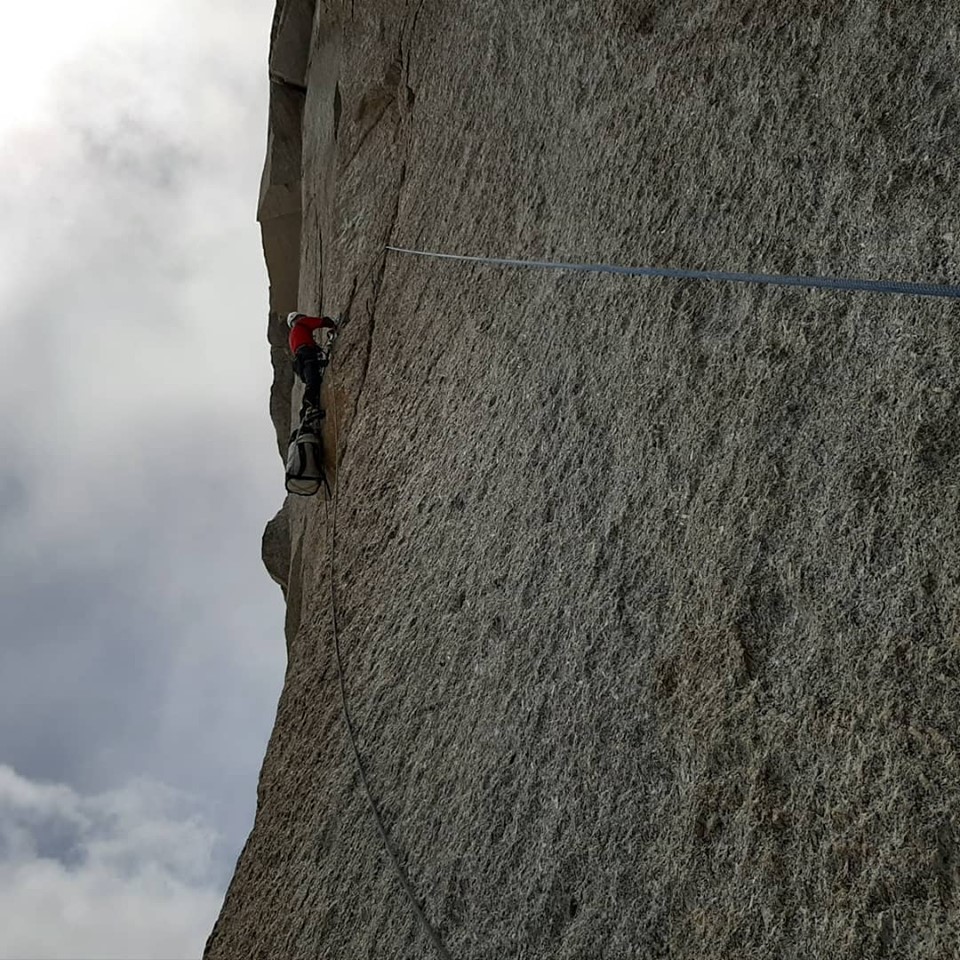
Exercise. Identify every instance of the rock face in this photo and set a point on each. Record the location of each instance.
(648, 591)
(279, 210)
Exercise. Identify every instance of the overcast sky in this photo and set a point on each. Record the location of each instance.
(142, 642)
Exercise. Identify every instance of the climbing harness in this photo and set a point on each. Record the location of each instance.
(823, 283)
(428, 928)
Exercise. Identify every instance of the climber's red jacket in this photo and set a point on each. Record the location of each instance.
(301, 333)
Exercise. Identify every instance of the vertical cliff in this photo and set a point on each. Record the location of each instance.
(648, 591)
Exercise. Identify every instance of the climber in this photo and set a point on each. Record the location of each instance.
(310, 340)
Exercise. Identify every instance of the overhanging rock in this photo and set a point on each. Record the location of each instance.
(280, 203)
(290, 50)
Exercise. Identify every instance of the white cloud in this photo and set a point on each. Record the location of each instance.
(134, 295)
(38, 39)
(123, 874)
(137, 466)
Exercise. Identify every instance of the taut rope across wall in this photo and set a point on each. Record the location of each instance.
(776, 280)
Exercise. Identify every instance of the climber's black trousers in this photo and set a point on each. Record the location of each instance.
(309, 366)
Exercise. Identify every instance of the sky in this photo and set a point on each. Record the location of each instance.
(141, 641)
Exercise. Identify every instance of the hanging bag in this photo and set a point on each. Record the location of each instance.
(305, 473)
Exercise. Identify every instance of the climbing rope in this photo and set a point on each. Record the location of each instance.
(428, 928)
(824, 283)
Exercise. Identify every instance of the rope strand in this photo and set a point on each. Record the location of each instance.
(428, 928)
(823, 283)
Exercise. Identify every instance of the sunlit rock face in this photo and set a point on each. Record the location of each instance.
(647, 590)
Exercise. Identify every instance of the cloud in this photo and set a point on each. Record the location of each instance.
(125, 874)
(134, 293)
(141, 634)
(143, 642)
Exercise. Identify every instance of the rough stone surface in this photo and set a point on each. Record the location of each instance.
(648, 591)
(282, 388)
(290, 41)
(275, 549)
(280, 207)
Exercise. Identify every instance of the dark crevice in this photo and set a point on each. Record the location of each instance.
(404, 51)
(350, 299)
(283, 82)
(320, 260)
(373, 125)
(337, 110)
(394, 81)
(413, 32)
(375, 293)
